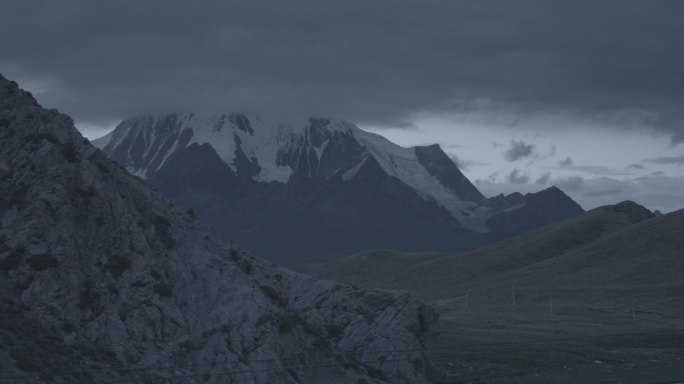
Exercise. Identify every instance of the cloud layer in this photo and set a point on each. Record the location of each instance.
(370, 61)
(518, 150)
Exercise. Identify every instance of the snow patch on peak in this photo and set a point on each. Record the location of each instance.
(403, 164)
(266, 142)
(349, 174)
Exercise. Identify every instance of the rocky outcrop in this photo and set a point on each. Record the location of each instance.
(102, 279)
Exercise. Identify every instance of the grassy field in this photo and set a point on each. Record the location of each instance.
(574, 344)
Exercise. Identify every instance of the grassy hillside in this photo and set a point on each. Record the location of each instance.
(597, 298)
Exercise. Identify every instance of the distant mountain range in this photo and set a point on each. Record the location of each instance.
(320, 189)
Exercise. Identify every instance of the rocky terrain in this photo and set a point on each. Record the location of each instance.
(104, 280)
(314, 190)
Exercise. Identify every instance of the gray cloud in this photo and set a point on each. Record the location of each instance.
(517, 177)
(572, 183)
(368, 61)
(596, 170)
(565, 163)
(667, 160)
(462, 164)
(518, 150)
(604, 192)
(544, 179)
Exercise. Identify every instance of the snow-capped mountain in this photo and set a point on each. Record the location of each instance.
(269, 151)
(318, 187)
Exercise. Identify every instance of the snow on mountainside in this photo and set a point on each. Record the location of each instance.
(319, 189)
(143, 145)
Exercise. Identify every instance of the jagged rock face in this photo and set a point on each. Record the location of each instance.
(320, 189)
(98, 274)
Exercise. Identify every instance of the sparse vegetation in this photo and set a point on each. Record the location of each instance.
(375, 373)
(323, 344)
(187, 346)
(334, 330)
(22, 360)
(264, 319)
(246, 266)
(287, 324)
(42, 261)
(112, 290)
(13, 260)
(68, 327)
(3, 246)
(294, 375)
(273, 295)
(161, 227)
(234, 255)
(37, 138)
(191, 213)
(89, 298)
(18, 196)
(69, 153)
(163, 289)
(117, 265)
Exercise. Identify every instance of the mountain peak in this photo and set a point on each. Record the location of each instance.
(443, 169)
(265, 150)
(12, 95)
(317, 179)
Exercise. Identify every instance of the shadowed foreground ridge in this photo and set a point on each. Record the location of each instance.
(102, 279)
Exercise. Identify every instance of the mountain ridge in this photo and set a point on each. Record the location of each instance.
(320, 182)
(437, 276)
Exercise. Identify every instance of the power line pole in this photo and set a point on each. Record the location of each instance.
(513, 294)
(633, 315)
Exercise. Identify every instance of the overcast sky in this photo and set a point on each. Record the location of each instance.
(586, 95)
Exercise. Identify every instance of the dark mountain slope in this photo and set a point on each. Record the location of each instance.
(541, 255)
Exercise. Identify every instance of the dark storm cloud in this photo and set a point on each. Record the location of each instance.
(518, 150)
(565, 163)
(572, 183)
(517, 177)
(596, 170)
(544, 179)
(369, 61)
(461, 164)
(667, 160)
(602, 193)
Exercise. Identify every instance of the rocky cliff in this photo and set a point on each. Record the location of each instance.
(104, 280)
